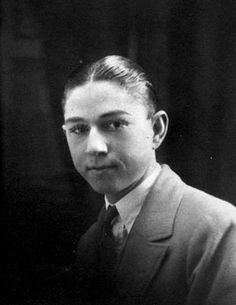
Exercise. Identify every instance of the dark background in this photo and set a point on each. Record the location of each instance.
(188, 48)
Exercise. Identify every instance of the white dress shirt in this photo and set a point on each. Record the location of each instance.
(130, 205)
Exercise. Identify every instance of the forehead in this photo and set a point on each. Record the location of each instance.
(94, 99)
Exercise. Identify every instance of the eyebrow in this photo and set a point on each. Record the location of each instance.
(114, 112)
(75, 119)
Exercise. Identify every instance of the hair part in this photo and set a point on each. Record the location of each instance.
(120, 70)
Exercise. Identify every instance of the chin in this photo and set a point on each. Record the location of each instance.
(105, 188)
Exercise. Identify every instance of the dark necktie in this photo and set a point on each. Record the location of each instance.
(108, 253)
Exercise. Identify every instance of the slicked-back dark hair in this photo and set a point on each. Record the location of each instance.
(120, 70)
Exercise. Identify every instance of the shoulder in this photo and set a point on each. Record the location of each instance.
(202, 207)
(206, 228)
(204, 223)
(189, 206)
(91, 236)
(88, 236)
(197, 213)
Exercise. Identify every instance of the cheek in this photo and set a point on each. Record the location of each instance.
(139, 143)
(134, 152)
(76, 154)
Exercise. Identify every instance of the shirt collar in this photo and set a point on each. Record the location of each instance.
(130, 205)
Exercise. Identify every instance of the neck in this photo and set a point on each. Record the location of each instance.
(113, 198)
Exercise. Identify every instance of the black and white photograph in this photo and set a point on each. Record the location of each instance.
(118, 152)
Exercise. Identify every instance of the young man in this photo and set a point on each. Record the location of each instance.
(164, 242)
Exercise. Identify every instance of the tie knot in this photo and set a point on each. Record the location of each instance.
(111, 213)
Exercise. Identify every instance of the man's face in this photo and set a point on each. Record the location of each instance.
(109, 137)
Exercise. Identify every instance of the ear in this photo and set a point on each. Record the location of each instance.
(160, 127)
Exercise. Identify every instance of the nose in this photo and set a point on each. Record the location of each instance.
(96, 142)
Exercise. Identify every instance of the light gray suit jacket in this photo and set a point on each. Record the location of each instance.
(181, 250)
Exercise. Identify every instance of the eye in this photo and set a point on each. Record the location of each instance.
(114, 125)
(79, 129)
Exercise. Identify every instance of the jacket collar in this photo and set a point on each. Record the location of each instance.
(156, 218)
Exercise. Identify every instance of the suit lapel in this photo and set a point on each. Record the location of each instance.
(144, 251)
(140, 262)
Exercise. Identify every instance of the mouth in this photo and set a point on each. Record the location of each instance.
(100, 168)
